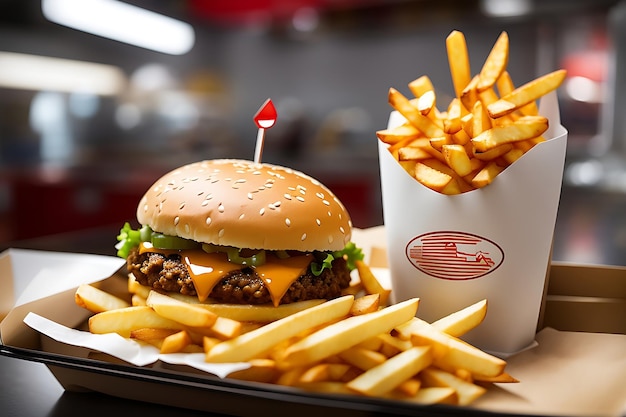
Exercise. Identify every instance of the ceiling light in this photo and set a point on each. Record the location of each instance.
(34, 72)
(122, 22)
(506, 8)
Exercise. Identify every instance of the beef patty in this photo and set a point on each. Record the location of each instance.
(243, 286)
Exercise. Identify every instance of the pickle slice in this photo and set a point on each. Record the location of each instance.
(161, 241)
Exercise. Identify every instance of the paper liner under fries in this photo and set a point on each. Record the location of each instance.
(493, 242)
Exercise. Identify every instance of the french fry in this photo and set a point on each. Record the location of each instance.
(469, 95)
(421, 85)
(225, 328)
(457, 159)
(435, 395)
(412, 153)
(124, 320)
(184, 313)
(458, 58)
(260, 370)
(527, 127)
(341, 335)
(487, 175)
(392, 345)
(136, 288)
(257, 341)
(527, 93)
(450, 353)
(150, 333)
(431, 178)
(398, 133)
(410, 387)
(426, 103)
(361, 358)
(410, 112)
(324, 372)
(503, 378)
(452, 123)
(495, 64)
(466, 391)
(371, 284)
(385, 377)
(96, 300)
(462, 321)
(175, 342)
(366, 304)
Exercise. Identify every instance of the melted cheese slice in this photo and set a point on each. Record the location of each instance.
(206, 269)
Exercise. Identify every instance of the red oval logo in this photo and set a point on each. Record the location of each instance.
(454, 255)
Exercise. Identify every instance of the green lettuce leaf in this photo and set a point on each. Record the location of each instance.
(130, 238)
(351, 253)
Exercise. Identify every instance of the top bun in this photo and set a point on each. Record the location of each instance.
(246, 205)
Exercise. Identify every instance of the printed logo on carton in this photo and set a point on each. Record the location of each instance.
(454, 255)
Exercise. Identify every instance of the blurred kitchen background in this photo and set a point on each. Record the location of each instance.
(87, 122)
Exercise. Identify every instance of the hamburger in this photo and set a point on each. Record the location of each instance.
(236, 231)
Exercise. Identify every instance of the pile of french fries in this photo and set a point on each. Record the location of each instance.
(481, 131)
(356, 344)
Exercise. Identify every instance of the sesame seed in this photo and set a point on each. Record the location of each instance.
(303, 237)
(208, 221)
(330, 238)
(204, 203)
(300, 198)
(320, 195)
(277, 204)
(241, 216)
(181, 206)
(288, 222)
(187, 228)
(221, 233)
(318, 221)
(176, 220)
(262, 211)
(326, 202)
(341, 229)
(249, 196)
(287, 196)
(220, 208)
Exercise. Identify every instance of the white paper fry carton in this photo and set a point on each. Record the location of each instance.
(492, 243)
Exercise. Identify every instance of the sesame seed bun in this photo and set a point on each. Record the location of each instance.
(246, 205)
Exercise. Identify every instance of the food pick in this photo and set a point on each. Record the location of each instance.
(264, 118)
